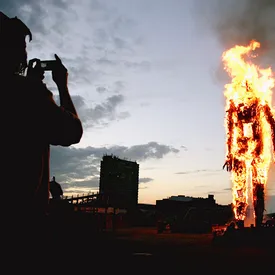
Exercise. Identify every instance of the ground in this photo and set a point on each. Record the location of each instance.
(144, 250)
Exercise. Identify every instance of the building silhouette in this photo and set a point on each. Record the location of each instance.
(185, 213)
(119, 180)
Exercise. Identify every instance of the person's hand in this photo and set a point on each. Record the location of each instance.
(35, 71)
(59, 73)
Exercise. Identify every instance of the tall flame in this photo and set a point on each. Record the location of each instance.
(249, 127)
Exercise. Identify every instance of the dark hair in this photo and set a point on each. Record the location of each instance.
(13, 25)
(12, 31)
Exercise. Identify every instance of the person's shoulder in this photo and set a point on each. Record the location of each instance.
(34, 85)
(26, 81)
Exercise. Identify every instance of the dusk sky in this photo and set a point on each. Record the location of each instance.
(147, 81)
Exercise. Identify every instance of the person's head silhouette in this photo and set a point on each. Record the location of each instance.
(13, 55)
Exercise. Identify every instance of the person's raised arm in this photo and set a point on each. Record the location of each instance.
(60, 77)
(72, 127)
(61, 124)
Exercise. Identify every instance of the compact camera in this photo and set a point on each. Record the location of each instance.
(47, 65)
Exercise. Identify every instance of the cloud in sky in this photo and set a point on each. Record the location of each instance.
(80, 167)
(145, 180)
(199, 171)
(138, 73)
(184, 148)
(99, 114)
(93, 39)
(91, 35)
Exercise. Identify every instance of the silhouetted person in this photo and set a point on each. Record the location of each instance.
(56, 189)
(31, 121)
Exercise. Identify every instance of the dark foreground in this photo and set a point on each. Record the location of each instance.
(144, 250)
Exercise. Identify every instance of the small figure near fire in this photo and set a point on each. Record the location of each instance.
(250, 129)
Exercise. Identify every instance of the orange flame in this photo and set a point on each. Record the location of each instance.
(249, 127)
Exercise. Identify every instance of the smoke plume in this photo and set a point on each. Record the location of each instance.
(238, 22)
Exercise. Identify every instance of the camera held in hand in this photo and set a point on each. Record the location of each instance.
(47, 65)
(36, 69)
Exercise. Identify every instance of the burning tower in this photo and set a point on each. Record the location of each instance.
(250, 128)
